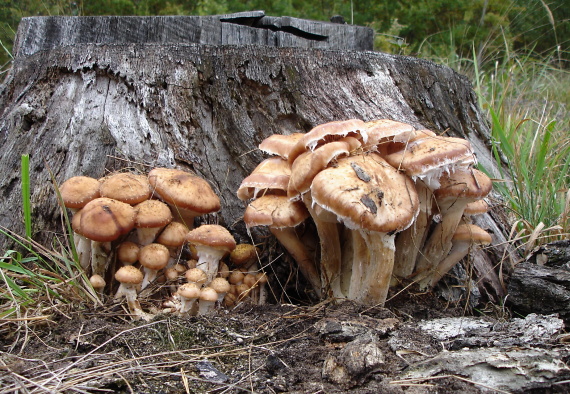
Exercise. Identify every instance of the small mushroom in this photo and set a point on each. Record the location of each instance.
(187, 194)
(98, 283)
(466, 236)
(104, 220)
(222, 286)
(152, 216)
(196, 275)
(207, 302)
(281, 216)
(212, 242)
(173, 237)
(189, 293)
(153, 257)
(128, 252)
(244, 255)
(129, 278)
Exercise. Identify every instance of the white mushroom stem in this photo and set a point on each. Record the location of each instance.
(209, 260)
(83, 249)
(129, 291)
(149, 276)
(187, 305)
(288, 238)
(147, 235)
(376, 280)
(99, 257)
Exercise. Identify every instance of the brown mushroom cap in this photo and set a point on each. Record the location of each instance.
(78, 191)
(328, 132)
(129, 274)
(423, 155)
(280, 145)
(275, 211)
(476, 208)
(472, 234)
(221, 285)
(97, 281)
(189, 291)
(154, 256)
(381, 131)
(212, 235)
(128, 252)
(104, 219)
(173, 235)
(270, 176)
(196, 275)
(208, 294)
(243, 254)
(184, 190)
(470, 184)
(366, 192)
(152, 213)
(310, 163)
(126, 187)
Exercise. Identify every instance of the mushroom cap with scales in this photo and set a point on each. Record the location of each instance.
(328, 132)
(184, 191)
(212, 242)
(280, 144)
(105, 219)
(270, 176)
(152, 216)
(428, 158)
(126, 187)
(79, 190)
(366, 192)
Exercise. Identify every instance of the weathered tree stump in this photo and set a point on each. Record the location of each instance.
(143, 92)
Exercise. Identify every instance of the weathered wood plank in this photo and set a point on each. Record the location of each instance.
(248, 28)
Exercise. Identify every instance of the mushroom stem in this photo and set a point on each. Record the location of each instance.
(359, 263)
(330, 251)
(99, 257)
(209, 260)
(458, 251)
(410, 241)
(83, 249)
(439, 244)
(288, 238)
(376, 281)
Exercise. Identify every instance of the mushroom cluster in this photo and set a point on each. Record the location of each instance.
(133, 228)
(387, 202)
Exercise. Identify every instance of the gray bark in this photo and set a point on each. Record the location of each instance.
(542, 284)
(91, 108)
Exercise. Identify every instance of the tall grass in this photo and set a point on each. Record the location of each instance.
(531, 142)
(527, 101)
(36, 282)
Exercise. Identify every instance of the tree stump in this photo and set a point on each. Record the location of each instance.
(87, 96)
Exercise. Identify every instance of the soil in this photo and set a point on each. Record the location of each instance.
(266, 349)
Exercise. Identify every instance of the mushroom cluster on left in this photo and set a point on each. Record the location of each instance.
(130, 231)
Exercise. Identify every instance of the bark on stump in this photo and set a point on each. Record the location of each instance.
(80, 107)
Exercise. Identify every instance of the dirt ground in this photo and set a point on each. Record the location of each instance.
(324, 348)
